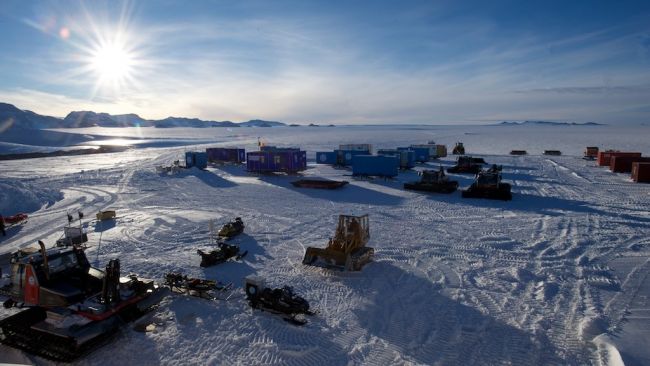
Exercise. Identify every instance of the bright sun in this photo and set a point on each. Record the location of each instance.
(112, 63)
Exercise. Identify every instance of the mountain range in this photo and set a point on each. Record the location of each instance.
(12, 117)
(547, 123)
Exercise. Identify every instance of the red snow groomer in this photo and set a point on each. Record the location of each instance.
(72, 306)
(16, 219)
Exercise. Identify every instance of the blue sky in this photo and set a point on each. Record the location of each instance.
(441, 62)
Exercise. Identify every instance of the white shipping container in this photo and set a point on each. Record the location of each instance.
(356, 147)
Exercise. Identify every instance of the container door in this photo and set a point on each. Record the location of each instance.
(31, 287)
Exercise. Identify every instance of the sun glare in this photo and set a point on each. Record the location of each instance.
(112, 63)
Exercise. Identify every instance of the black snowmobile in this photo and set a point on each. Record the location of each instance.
(205, 289)
(223, 253)
(232, 228)
(279, 301)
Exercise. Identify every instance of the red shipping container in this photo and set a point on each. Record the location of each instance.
(641, 172)
(623, 164)
(604, 157)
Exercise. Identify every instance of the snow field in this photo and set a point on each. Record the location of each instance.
(455, 281)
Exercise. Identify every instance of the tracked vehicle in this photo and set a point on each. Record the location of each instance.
(488, 185)
(347, 251)
(72, 306)
(459, 149)
(433, 181)
(467, 164)
(278, 301)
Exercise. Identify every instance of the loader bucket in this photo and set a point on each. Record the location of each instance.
(325, 258)
(320, 257)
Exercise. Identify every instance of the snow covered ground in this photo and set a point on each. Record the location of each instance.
(558, 275)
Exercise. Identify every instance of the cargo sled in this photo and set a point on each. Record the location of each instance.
(319, 183)
(105, 215)
(205, 289)
(347, 250)
(73, 307)
(433, 181)
(278, 301)
(488, 185)
(552, 152)
(72, 236)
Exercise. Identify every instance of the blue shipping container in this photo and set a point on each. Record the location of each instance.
(326, 157)
(289, 161)
(421, 153)
(377, 165)
(196, 159)
(225, 154)
(345, 157)
(406, 158)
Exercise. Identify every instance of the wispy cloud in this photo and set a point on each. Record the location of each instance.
(324, 69)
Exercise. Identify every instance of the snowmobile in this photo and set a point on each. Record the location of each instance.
(232, 228)
(433, 181)
(73, 307)
(223, 253)
(278, 301)
(467, 164)
(488, 185)
(459, 149)
(205, 289)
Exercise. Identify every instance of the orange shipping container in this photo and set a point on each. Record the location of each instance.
(641, 172)
(604, 157)
(623, 164)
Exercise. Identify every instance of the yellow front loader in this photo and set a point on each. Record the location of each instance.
(347, 250)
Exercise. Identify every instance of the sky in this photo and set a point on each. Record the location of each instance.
(341, 62)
